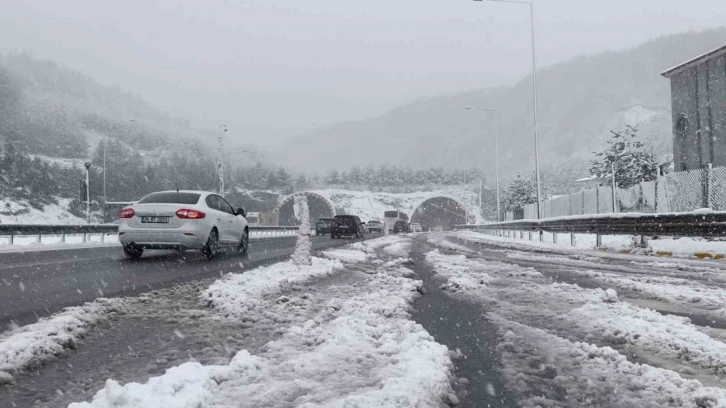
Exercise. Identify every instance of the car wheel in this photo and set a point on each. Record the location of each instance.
(133, 251)
(244, 243)
(212, 246)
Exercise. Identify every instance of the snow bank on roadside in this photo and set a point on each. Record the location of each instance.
(50, 336)
(234, 294)
(686, 247)
(359, 352)
(346, 255)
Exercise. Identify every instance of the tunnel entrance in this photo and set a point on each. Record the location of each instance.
(439, 213)
(319, 207)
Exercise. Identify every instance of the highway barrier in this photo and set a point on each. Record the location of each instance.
(691, 224)
(11, 231)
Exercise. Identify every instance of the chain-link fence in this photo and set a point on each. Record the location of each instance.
(675, 192)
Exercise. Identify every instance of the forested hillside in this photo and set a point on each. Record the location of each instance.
(580, 101)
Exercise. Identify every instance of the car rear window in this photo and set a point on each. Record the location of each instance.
(172, 197)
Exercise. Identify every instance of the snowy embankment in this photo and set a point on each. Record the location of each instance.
(684, 247)
(561, 339)
(360, 350)
(21, 347)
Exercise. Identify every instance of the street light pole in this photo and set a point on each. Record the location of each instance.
(534, 96)
(496, 153)
(88, 192)
(222, 131)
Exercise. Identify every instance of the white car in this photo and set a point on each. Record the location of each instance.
(416, 227)
(182, 220)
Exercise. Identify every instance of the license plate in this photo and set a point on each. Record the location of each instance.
(154, 220)
(343, 226)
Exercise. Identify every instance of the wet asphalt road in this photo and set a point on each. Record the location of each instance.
(461, 325)
(39, 283)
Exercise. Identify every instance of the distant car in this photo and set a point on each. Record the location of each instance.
(322, 227)
(416, 227)
(401, 227)
(347, 225)
(183, 220)
(375, 226)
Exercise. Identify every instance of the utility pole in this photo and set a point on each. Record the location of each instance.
(220, 171)
(534, 95)
(88, 192)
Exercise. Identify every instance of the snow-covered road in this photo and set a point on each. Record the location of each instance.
(585, 330)
(431, 320)
(337, 333)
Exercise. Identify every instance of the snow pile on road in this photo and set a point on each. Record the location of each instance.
(371, 245)
(588, 375)
(235, 294)
(51, 336)
(400, 249)
(346, 255)
(444, 243)
(674, 290)
(671, 336)
(362, 351)
(458, 272)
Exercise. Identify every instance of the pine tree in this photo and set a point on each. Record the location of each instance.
(624, 154)
(332, 177)
(301, 182)
(356, 175)
(519, 193)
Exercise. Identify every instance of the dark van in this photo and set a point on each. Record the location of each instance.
(347, 226)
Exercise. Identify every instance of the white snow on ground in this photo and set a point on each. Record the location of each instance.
(591, 376)
(565, 323)
(677, 247)
(400, 249)
(346, 255)
(672, 336)
(49, 336)
(235, 294)
(371, 245)
(456, 269)
(50, 214)
(444, 243)
(674, 290)
(360, 351)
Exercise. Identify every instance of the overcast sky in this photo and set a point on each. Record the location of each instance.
(285, 65)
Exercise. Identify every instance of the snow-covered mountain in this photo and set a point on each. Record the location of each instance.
(580, 101)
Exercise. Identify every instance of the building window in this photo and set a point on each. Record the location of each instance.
(682, 124)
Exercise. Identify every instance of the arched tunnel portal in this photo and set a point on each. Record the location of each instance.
(439, 213)
(319, 207)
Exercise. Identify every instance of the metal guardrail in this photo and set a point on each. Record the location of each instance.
(86, 230)
(694, 224)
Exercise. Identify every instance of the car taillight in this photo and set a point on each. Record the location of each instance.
(190, 214)
(127, 213)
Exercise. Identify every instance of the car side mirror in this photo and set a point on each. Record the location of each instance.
(241, 211)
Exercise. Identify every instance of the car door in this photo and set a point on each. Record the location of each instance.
(220, 218)
(236, 224)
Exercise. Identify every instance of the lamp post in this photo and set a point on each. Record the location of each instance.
(496, 153)
(220, 171)
(534, 95)
(87, 165)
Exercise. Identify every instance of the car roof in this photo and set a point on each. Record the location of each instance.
(345, 216)
(185, 191)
